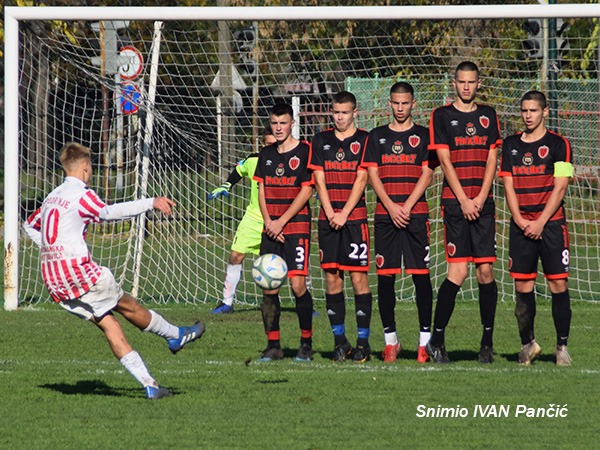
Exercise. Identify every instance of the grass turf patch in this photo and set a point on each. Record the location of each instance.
(62, 388)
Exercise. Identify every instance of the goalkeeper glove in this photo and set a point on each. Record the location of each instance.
(221, 190)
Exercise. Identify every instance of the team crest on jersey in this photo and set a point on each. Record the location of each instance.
(543, 151)
(414, 141)
(528, 159)
(280, 170)
(379, 260)
(484, 121)
(451, 249)
(470, 129)
(355, 147)
(294, 162)
(397, 147)
(340, 155)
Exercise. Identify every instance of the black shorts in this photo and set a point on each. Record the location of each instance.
(295, 251)
(392, 244)
(345, 249)
(470, 241)
(552, 250)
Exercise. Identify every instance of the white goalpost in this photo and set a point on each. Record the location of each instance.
(178, 119)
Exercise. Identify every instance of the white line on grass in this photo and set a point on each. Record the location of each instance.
(291, 366)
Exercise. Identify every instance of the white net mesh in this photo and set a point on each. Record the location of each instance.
(199, 132)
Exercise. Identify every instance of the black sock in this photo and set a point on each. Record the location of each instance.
(443, 311)
(336, 312)
(364, 306)
(525, 310)
(386, 299)
(424, 296)
(304, 309)
(271, 311)
(488, 298)
(561, 313)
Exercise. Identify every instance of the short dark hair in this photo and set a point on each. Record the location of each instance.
(73, 153)
(344, 97)
(267, 131)
(537, 96)
(281, 109)
(467, 66)
(402, 87)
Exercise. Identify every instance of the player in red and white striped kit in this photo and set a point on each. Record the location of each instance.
(85, 288)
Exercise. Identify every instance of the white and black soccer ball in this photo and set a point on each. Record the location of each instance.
(269, 271)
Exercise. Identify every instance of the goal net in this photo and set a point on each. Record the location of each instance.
(170, 107)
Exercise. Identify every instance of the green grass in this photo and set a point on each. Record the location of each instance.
(61, 387)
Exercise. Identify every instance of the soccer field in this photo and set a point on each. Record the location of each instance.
(62, 388)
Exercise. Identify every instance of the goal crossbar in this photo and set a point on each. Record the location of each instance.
(304, 12)
(13, 16)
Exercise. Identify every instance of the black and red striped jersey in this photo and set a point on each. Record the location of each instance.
(399, 157)
(469, 136)
(340, 161)
(531, 166)
(283, 175)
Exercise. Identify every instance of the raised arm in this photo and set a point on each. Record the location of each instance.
(127, 210)
(224, 189)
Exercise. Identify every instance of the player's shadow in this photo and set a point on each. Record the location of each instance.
(454, 356)
(245, 309)
(463, 355)
(514, 357)
(511, 357)
(288, 353)
(91, 387)
(411, 355)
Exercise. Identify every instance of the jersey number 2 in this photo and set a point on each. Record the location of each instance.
(359, 251)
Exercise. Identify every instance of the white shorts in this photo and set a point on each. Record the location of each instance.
(100, 299)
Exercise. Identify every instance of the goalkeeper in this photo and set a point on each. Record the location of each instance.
(249, 231)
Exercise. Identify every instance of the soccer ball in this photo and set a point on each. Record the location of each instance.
(269, 271)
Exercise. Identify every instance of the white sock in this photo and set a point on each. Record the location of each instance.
(132, 361)
(159, 326)
(424, 337)
(232, 279)
(391, 338)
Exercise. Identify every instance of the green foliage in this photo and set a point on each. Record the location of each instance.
(591, 49)
(62, 388)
